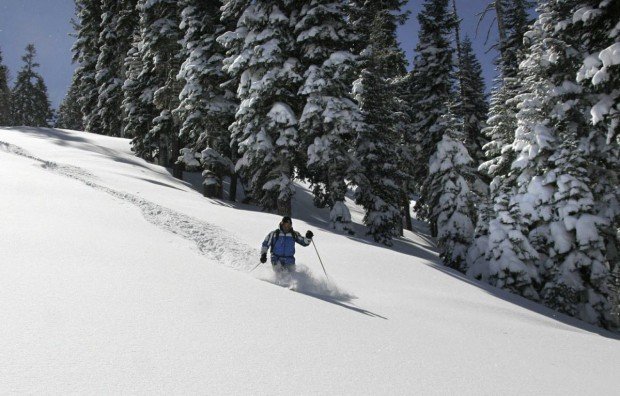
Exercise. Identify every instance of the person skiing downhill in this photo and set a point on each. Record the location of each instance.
(282, 244)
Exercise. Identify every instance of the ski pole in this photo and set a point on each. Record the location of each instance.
(319, 256)
(255, 267)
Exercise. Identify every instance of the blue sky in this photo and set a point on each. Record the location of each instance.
(46, 23)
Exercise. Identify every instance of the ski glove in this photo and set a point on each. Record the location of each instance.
(263, 258)
(309, 234)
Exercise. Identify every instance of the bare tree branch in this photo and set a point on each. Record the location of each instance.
(483, 14)
(489, 31)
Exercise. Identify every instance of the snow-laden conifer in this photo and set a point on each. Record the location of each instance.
(118, 25)
(5, 95)
(160, 48)
(206, 108)
(30, 105)
(449, 192)
(432, 90)
(262, 56)
(547, 182)
(596, 26)
(516, 20)
(85, 55)
(137, 102)
(432, 80)
(577, 274)
(69, 115)
(380, 179)
(513, 19)
(330, 117)
(473, 107)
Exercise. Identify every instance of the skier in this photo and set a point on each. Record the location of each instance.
(282, 244)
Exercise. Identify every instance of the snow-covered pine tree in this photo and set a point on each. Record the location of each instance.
(511, 261)
(118, 25)
(432, 87)
(330, 117)
(596, 25)
(448, 189)
(138, 100)
(160, 49)
(30, 104)
(474, 108)
(402, 117)
(85, 54)
(550, 184)
(5, 95)
(432, 80)
(69, 114)
(206, 109)
(516, 22)
(522, 197)
(362, 14)
(380, 179)
(577, 274)
(513, 21)
(262, 54)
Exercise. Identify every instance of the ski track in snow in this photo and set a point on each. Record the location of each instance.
(212, 241)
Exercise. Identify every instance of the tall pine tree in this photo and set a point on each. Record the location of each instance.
(380, 178)
(513, 21)
(516, 20)
(5, 95)
(118, 25)
(548, 182)
(448, 189)
(595, 24)
(473, 107)
(85, 54)
(330, 117)
(206, 108)
(30, 104)
(69, 114)
(432, 88)
(262, 55)
(137, 100)
(432, 79)
(160, 49)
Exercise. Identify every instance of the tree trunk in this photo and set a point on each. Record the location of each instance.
(284, 207)
(232, 191)
(407, 210)
(177, 168)
(499, 11)
(162, 159)
(220, 186)
(211, 191)
(459, 52)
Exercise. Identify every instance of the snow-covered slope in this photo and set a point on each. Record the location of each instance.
(117, 278)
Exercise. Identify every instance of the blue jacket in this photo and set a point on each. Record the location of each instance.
(282, 245)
